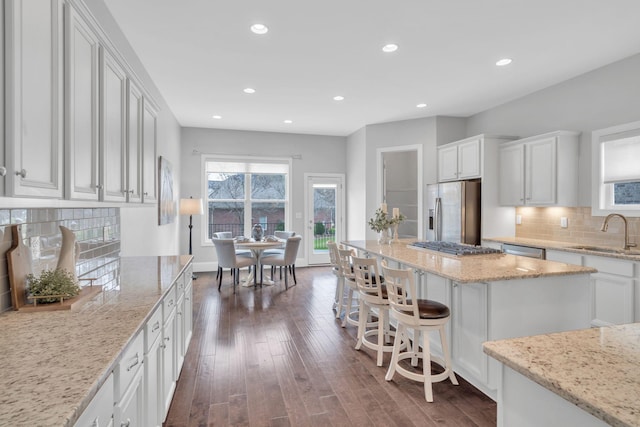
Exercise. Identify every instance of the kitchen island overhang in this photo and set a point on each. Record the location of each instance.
(492, 297)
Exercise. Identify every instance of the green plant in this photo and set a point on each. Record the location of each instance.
(53, 282)
(382, 222)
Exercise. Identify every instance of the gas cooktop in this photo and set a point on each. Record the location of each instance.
(455, 248)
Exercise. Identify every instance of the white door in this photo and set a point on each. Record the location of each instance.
(324, 218)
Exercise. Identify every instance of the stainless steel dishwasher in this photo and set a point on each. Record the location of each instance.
(523, 251)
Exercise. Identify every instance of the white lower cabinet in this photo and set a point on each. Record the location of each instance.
(612, 290)
(469, 317)
(139, 390)
(169, 348)
(100, 410)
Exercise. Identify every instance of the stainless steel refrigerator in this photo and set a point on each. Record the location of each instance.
(454, 212)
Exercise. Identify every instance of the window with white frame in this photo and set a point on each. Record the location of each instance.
(616, 154)
(243, 192)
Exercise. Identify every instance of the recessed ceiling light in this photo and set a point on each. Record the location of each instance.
(390, 47)
(503, 62)
(259, 28)
(249, 90)
(422, 105)
(338, 98)
(217, 117)
(288, 121)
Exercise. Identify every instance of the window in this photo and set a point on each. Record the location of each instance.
(241, 193)
(616, 170)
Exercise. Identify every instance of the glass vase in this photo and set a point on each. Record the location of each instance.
(384, 238)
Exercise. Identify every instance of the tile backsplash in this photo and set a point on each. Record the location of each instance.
(97, 231)
(544, 223)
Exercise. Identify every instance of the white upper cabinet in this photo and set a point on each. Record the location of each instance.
(460, 160)
(134, 143)
(81, 109)
(113, 136)
(540, 170)
(34, 98)
(149, 164)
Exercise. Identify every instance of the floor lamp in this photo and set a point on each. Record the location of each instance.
(191, 207)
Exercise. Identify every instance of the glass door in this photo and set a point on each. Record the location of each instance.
(324, 217)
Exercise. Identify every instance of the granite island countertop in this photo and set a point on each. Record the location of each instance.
(52, 363)
(596, 369)
(470, 268)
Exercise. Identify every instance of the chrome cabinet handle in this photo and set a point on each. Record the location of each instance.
(155, 327)
(3, 171)
(130, 367)
(22, 173)
(127, 424)
(99, 186)
(145, 193)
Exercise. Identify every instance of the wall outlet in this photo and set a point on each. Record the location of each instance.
(564, 222)
(518, 219)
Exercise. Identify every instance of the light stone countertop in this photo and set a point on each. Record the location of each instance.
(633, 254)
(52, 363)
(469, 268)
(597, 369)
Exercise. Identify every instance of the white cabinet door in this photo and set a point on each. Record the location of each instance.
(469, 317)
(469, 160)
(129, 410)
(134, 143)
(511, 175)
(81, 109)
(153, 383)
(448, 163)
(180, 325)
(168, 362)
(34, 98)
(188, 315)
(113, 136)
(540, 182)
(149, 163)
(613, 302)
(100, 409)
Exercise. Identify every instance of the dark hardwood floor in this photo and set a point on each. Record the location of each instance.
(270, 357)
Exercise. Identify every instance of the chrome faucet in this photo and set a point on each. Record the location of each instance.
(605, 225)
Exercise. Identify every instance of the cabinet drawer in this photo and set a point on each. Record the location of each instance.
(169, 303)
(100, 409)
(180, 286)
(130, 363)
(610, 265)
(153, 329)
(188, 274)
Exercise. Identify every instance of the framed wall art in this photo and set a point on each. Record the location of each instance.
(166, 201)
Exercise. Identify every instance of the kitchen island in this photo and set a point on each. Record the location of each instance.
(583, 378)
(494, 296)
(53, 363)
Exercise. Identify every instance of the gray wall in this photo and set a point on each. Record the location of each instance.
(356, 191)
(601, 98)
(407, 132)
(319, 154)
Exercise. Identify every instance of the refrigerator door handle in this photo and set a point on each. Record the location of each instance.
(438, 219)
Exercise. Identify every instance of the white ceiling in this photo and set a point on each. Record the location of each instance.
(201, 55)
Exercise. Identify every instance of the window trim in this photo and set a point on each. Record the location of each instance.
(204, 158)
(601, 193)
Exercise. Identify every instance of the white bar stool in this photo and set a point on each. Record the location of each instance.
(421, 316)
(372, 294)
(334, 257)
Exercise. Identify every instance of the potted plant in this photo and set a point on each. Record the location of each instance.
(52, 286)
(381, 223)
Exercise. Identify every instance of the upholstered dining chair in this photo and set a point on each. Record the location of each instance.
(239, 252)
(286, 259)
(227, 258)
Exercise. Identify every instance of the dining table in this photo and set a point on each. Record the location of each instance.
(258, 248)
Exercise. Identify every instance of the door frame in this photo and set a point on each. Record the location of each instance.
(418, 148)
(340, 211)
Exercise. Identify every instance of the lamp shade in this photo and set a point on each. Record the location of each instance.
(191, 207)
